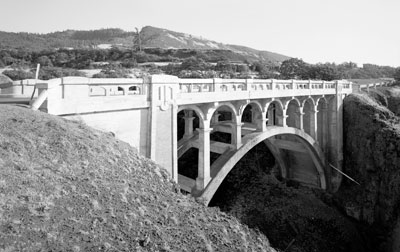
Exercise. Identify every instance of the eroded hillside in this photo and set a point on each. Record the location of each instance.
(65, 187)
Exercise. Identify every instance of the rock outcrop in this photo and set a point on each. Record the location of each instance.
(372, 157)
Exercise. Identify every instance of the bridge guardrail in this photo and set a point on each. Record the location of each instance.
(229, 85)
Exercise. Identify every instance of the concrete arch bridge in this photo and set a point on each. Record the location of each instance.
(164, 117)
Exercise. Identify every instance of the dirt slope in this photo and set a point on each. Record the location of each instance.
(65, 187)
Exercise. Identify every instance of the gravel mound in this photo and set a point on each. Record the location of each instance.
(66, 187)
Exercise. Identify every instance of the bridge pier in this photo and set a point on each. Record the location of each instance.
(188, 124)
(236, 137)
(301, 119)
(203, 176)
(313, 123)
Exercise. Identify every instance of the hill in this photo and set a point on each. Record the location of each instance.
(66, 187)
(162, 38)
(151, 37)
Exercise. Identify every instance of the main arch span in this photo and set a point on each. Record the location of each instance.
(229, 159)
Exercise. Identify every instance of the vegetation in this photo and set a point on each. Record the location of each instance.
(397, 75)
(185, 63)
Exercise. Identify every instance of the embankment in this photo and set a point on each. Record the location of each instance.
(66, 187)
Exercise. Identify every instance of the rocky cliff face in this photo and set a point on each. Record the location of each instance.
(372, 157)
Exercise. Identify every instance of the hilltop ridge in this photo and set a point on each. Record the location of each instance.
(151, 37)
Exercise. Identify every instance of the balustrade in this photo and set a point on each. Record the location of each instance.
(237, 85)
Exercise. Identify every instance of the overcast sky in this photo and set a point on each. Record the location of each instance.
(362, 31)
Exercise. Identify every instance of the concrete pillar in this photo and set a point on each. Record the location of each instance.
(188, 124)
(254, 113)
(301, 120)
(236, 135)
(314, 124)
(262, 122)
(283, 118)
(324, 129)
(163, 128)
(203, 176)
(215, 118)
(271, 117)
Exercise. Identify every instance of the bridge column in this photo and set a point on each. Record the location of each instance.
(236, 135)
(262, 122)
(188, 124)
(324, 135)
(282, 119)
(215, 118)
(203, 176)
(271, 118)
(314, 123)
(301, 119)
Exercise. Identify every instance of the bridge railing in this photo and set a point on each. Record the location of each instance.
(231, 85)
(18, 88)
(193, 91)
(92, 93)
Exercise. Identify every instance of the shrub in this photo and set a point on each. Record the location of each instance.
(18, 74)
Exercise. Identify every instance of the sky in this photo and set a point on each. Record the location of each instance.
(361, 31)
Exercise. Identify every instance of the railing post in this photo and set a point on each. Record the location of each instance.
(217, 85)
(249, 82)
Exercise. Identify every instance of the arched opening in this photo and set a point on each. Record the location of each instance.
(283, 210)
(247, 116)
(188, 121)
(251, 118)
(293, 114)
(257, 164)
(275, 113)
(223, 122)
(302, 157)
